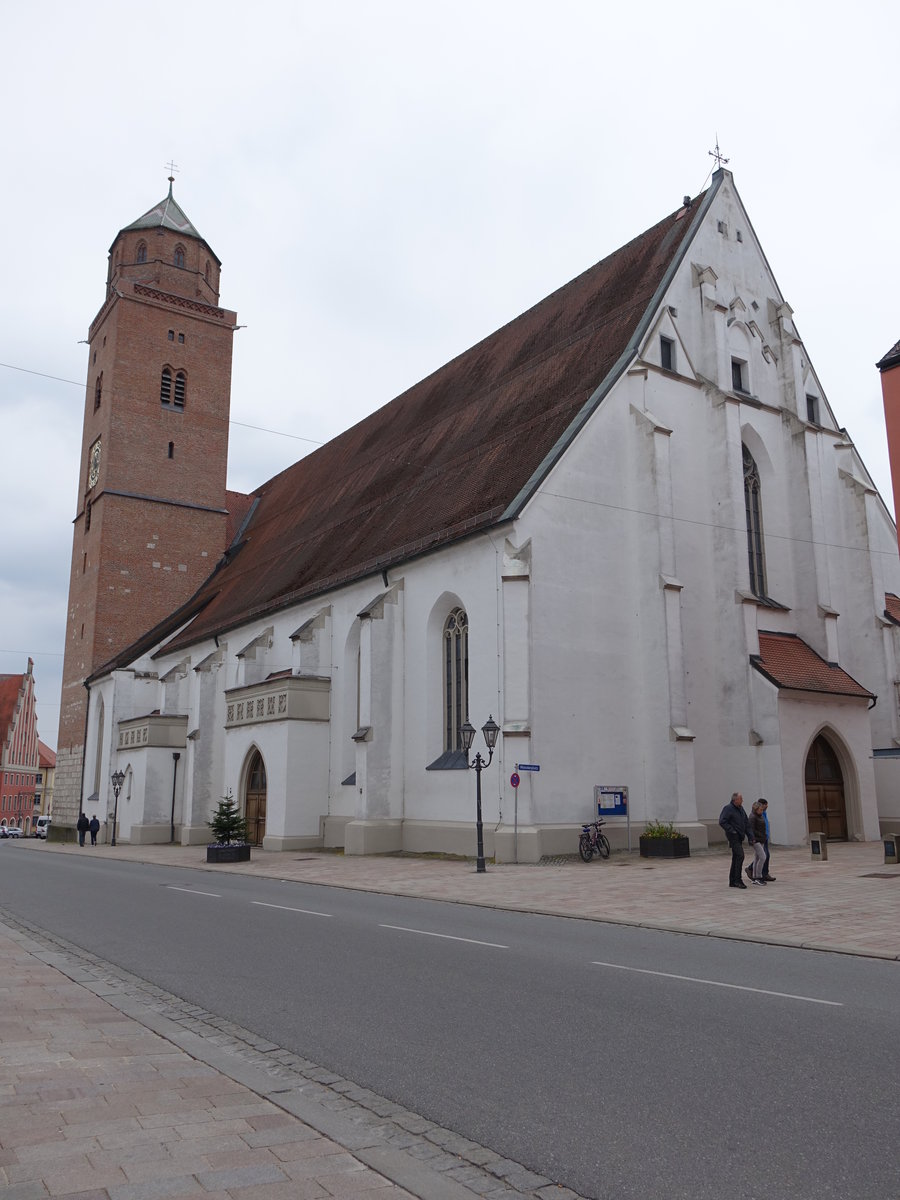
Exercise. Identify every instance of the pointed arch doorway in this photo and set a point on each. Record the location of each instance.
(826, 806)
(255, 799)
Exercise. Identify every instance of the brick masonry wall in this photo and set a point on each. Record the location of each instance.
(152, 527)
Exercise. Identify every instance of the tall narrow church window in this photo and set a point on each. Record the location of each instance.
(180, 383)
(165, 386)
(456, 678)
(87, 516)
(98, 748)
(739, 375)
(141, 255)
(179, 256)
(753, 508)
(98, 391)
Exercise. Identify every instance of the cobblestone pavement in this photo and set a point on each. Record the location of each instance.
(113, 1089)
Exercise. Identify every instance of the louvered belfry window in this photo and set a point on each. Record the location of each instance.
(456, 677)
(180, 383)
(165, 386)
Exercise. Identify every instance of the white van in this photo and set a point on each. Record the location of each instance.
(41, 825)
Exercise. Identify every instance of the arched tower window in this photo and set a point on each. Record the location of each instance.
(180, 386)
(753, 509)
(179, 256)
(141, 255)
(98, 391)
(456, 678)
(165, 386)
(206, 272)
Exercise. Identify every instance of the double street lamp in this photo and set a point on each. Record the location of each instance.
(490, 729)
(117, 779)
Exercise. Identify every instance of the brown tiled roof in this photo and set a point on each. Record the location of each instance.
(10, 686)
(788, 662)
(46, 755)
(456, 453)
(892, 607)
(238, 505)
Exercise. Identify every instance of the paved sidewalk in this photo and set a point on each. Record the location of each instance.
(112, 1090)
(94, 1104)
(849, 904)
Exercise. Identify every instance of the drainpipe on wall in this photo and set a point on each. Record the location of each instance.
(175, 758)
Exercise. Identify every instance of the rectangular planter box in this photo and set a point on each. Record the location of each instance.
(679, 847)
(227, 854)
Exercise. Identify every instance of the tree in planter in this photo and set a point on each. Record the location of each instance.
(228, 826)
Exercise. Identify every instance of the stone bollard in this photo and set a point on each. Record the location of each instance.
(818, 847)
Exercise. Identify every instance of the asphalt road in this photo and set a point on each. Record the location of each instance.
(619, 1062)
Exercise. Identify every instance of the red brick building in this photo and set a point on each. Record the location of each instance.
(18, 749)
(151, 515)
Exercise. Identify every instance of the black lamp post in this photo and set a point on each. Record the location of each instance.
(490, 729)
(118, 778)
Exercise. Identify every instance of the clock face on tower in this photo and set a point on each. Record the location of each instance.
(94, 464)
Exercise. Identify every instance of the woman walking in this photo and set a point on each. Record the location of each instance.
(758, 838)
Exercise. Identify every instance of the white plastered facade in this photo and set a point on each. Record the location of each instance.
(611, 625)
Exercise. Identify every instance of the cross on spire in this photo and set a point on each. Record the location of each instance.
(172, 167)
(717, 154)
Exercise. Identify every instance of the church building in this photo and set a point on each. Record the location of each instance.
(627, 526)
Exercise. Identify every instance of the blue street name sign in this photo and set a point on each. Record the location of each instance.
(527, 767)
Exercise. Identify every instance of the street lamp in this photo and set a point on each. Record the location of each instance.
(490, 729)
(118, 778)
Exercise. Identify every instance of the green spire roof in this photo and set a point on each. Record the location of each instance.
(168, 215)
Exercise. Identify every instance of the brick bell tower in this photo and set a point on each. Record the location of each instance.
(150, 517)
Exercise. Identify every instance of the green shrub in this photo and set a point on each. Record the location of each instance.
(661, 829)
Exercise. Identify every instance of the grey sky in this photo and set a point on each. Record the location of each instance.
(388, 183)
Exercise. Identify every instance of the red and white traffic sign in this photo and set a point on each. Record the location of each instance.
(514, 779)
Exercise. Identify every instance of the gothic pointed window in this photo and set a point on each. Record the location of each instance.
(456, 678)
(141, 255)
(753, 510)
(165, 386)
(180, 385)
(98, 391)
(179, 256)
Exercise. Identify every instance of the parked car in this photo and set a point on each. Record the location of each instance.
(41, 827)
(10, 831)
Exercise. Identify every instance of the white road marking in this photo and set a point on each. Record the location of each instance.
(284, 908)
(448, 936)
(716, 983)
(192, 891)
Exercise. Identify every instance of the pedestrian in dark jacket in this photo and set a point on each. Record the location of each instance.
(758, 838)
(733, 820)
(763, 805)
(95, 829)
(82, 825)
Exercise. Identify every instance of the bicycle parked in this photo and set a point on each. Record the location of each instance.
(593, 841)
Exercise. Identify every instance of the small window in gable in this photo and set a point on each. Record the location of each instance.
(180, 383)
(739, 375)
(812, 409)
(179, 256)
(165, 386)
(141, 256)
(667, 353)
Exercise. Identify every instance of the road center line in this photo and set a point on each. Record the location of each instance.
(717, 983)
(448, 936)
(284, 908)
(192, 891)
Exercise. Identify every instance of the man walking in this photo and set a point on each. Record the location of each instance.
(94, 828)
(82, 825)
(733, 820)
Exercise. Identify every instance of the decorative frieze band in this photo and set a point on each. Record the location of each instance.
(286, 698)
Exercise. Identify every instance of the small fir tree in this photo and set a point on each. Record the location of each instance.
(227, 824)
